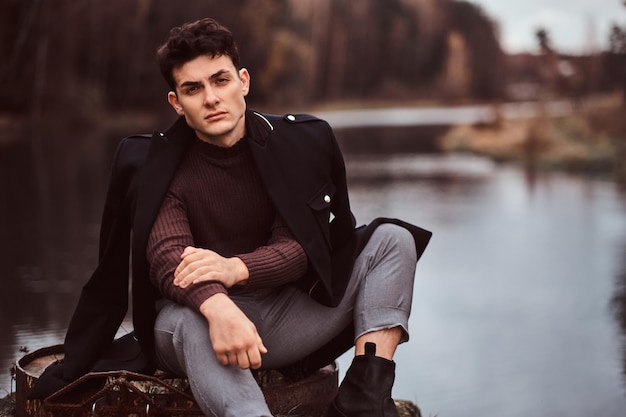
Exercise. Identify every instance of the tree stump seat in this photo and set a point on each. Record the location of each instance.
(122, 393)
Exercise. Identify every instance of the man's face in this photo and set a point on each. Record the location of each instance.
(210, 93)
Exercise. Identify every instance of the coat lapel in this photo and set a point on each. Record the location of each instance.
(269, 159)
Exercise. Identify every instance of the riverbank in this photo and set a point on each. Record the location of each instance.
(592, 139)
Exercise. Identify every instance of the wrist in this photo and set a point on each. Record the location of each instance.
(241, 271)
(212, 305)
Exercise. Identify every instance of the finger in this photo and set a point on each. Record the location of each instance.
(242, 360)
(222, 358)
(188, 251)
(195, 276)
(254, 358)
(184, 267)
(233, 359)
(181, 266)
(182, 278)
(185, 276)
(188, 257)
(188, 270)
(196, 253)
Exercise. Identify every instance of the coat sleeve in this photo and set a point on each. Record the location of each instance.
(103, 301)
(104, 298)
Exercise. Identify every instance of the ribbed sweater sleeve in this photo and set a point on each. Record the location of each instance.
(280, 261)
(168, 239)
(217, 201)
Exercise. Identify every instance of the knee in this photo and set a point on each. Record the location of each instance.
(397, 239)
(190, 321)
(181, 321)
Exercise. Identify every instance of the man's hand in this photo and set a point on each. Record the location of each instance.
(198, 265)
(234, 337)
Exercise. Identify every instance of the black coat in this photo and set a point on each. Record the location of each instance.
(304, 174)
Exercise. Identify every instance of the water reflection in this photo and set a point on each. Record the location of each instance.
(512, 309)
(618, 304)
(512, 313)
(49, 219)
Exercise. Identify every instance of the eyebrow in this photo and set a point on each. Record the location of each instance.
(212, 77)
(219, 73)
(190, 84)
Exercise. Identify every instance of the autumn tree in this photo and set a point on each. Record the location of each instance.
(86, 58)
(543, 39)
(616, 59)
(486, 58)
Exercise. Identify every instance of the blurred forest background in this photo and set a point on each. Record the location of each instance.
(85, 61)
(78, 69)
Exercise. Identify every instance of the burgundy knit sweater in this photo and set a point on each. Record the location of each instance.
(217, 201)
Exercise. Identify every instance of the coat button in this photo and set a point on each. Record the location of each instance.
(291, 118)
(327, 198)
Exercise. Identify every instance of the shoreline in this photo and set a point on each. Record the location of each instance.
(591, 139)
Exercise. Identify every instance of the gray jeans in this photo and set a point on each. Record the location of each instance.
(291, 325)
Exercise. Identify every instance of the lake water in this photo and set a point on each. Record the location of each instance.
(512, 311)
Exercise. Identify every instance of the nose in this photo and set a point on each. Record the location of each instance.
(210, 98)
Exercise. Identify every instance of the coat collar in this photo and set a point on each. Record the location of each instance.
(258, 127)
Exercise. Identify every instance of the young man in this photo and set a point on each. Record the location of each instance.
(244, 249)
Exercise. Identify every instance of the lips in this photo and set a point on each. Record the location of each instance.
(215, 116)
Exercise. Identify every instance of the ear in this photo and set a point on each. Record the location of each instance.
(244, 76)
(172, 98)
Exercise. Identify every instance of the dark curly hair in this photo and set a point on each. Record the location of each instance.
(191, 40)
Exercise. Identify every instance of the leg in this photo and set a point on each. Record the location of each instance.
(383, 302)
(377, 299)
(292, 324)
(183, 347)
(386, 341)
(382, 307)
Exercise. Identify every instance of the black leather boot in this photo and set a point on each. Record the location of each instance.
(366, 389)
